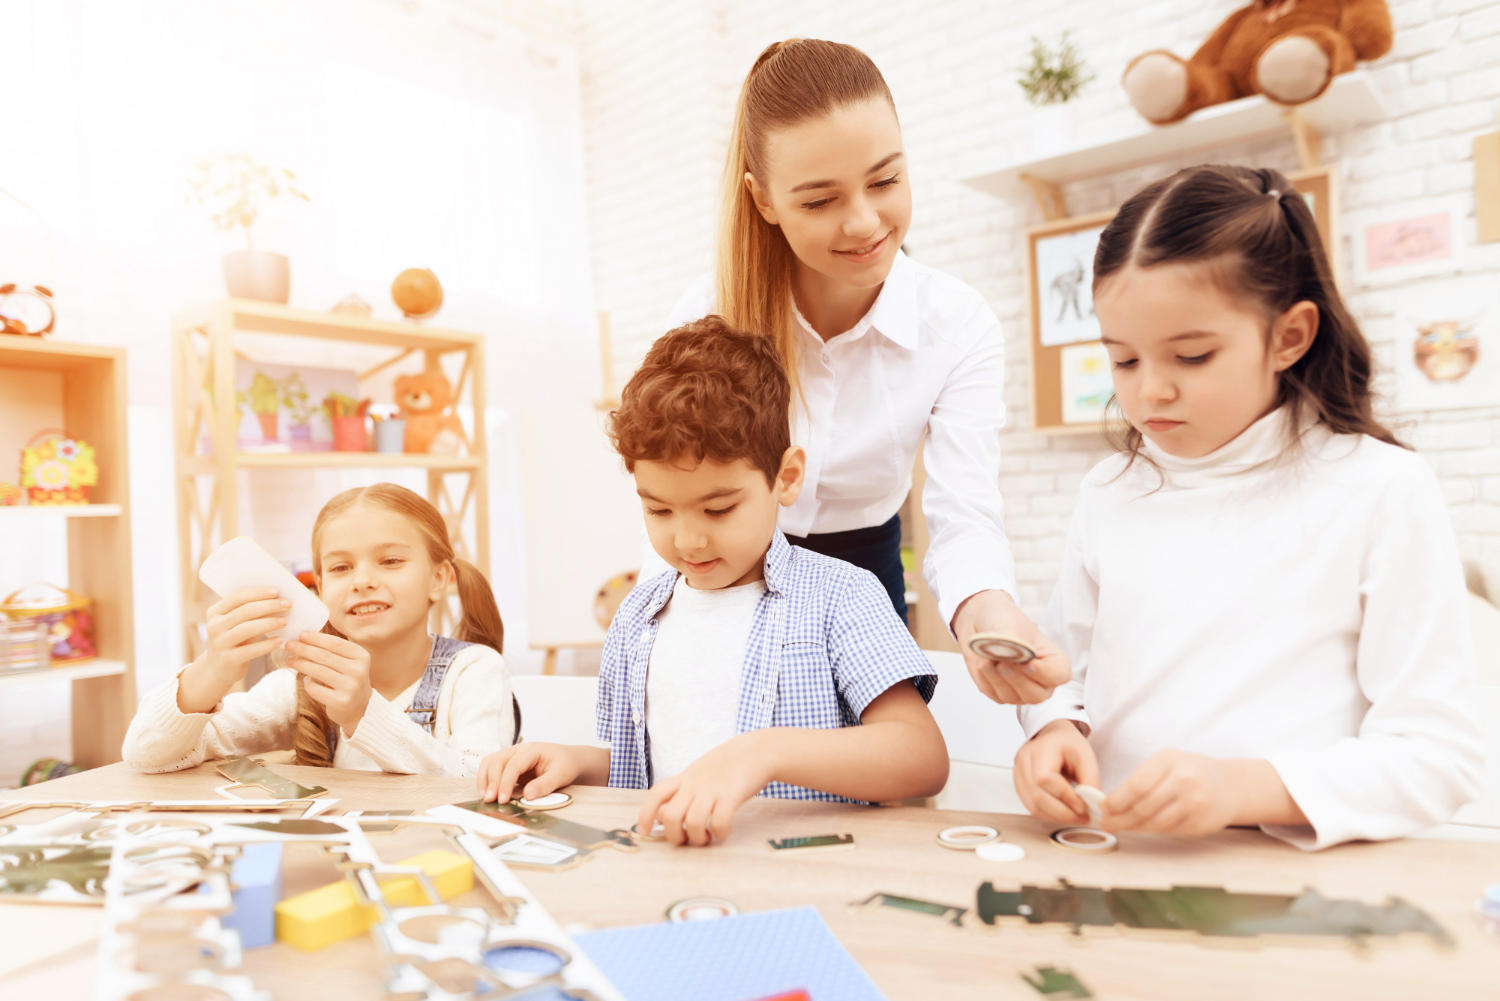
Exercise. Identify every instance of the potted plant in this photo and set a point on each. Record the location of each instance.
(239, 187)
(299, 411)
(1050, 79)
(347, 416)
(264, 401)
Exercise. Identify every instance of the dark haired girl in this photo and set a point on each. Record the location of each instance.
(1260, 595)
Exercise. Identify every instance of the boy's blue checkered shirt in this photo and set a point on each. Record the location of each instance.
(823, 644)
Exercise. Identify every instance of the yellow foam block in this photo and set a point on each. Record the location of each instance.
(318, 918)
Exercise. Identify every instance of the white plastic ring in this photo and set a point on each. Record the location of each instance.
(999, 647)
(1085, 839)
(1001, 851)
(551, 801)
(967, 837)
(658, 832)
(700, 909)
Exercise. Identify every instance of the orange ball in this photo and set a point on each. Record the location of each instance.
(417, 292)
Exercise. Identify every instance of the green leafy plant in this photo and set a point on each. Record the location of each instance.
(1054, 76)
(236, 187)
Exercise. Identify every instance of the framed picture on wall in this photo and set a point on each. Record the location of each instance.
(1069, 384)
(1319, 187)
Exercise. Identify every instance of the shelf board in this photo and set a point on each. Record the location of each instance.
(1349, 101)
(64, 511)
(95, 668)
(41, 353)
(351, 460)
(273, 318)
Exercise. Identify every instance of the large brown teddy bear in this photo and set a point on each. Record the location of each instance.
(1288, 50)
(424, 401)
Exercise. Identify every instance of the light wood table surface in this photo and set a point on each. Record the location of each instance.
(910, 956)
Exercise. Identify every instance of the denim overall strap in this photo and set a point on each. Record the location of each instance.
(423, 706)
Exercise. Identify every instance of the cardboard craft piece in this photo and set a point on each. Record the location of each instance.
(249, 772)
(1057, 982)
(816, 843)
(1211, 911)
(953, 915)
(553, 826)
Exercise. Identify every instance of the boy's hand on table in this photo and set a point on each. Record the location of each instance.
(1174, 792)
(699, 805)
(1047, 766)
(1003, 681)
(336, 672)
(529, 770)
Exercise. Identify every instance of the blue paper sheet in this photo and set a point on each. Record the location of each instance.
(739, 958)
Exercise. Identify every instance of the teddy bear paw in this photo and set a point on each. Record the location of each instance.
(1157, 84)
(1293, 69)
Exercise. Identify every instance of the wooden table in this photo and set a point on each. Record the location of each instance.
(910, 956)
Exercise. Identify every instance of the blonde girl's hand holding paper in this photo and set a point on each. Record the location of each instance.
(237, 627)
(335, 672)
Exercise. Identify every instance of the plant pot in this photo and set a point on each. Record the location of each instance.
(1052, 129)
(349, 434)
(268, 427)
(258, 274)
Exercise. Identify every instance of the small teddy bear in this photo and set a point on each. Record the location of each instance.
(1288, 50)
(424, 400)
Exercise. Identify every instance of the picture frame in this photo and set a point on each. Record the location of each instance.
(1061, 323)
(1418, 238)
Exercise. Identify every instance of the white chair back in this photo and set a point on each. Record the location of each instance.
(1484, 620)
(557, 709)
(975, 729)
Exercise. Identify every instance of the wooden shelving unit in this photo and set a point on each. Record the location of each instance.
(99, 566)
(206, 419)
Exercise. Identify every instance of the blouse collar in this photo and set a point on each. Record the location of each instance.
(1259, 445)
(894, 313)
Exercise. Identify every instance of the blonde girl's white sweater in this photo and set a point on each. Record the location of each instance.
(473, 718)
(1303, 605)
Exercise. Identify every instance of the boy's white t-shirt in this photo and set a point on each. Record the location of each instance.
(693, 680)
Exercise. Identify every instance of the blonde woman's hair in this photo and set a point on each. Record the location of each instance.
(791, 81)
(481, 616)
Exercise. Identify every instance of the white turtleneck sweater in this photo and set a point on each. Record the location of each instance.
(1305, 606)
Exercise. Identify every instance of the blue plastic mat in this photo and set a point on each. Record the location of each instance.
(740, 958)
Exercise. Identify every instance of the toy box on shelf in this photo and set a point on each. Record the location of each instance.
(57, 470)
(67, 618)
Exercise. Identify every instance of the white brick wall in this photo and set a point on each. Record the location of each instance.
(658, 89)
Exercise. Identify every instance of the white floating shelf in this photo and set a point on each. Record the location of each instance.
(96, 668)
(60, 511)
(1349, 101)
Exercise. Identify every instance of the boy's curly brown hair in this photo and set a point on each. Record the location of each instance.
(706, 390)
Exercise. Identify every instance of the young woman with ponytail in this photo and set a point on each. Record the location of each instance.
(884, 355)
(374, 690)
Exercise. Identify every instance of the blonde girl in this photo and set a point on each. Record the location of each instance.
(1261, 594)
(374, 690)
(884, 354)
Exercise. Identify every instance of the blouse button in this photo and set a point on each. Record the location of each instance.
(645, 637)
(635, 717)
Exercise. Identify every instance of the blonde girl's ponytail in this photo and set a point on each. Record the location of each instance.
(479, 623)
(790, 82)
(481, 620)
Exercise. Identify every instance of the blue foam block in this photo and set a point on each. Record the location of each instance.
(738, 958)
(257, 879)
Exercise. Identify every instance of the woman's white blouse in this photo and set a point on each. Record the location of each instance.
(927, 359)
(1305, 606)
